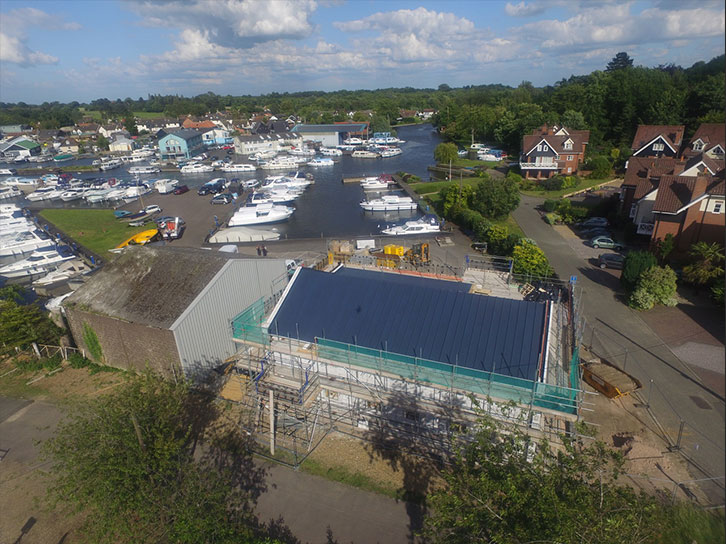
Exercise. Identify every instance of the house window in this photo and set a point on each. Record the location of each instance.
(717, 207)
(568, 144)
(539, 147)
(697, 146)
(570, 157)
(658, 147)
(545, 148)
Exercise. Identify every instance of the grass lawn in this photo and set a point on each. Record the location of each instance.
(582, 184)
(97, 230)
(96, 114)
(469, 163)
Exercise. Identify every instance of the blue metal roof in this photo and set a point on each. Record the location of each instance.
(414, 316)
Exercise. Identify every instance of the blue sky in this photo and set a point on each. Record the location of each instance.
(81, 50)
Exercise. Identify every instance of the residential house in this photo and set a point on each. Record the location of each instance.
(216, 136)
(551, 151)
(203, 124)
(658, 140)
(107, 131)
(19, 148)
(15, 129)
(68, 145)
(181, 144)
(407, 114)
(121, 145)
(247, 144)
(427, 114)
(709, 140)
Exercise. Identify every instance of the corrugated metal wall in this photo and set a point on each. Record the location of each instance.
(203, 334)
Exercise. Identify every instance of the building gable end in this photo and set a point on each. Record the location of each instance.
(659, 137)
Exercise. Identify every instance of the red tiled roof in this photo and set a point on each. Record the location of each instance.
(644, 173)
(673, 134)
(674, 192)
(578, 137)
(711, 134)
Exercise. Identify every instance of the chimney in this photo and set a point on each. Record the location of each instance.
(699, 187)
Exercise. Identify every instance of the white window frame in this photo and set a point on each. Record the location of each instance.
(539, 147)
(718, 207)
(570, 157)
(658, 147)
(698, 146)
(545, 148)
(568, 145)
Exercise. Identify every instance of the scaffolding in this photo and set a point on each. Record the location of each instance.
(303, 390)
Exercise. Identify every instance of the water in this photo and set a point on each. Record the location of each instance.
(328, 207)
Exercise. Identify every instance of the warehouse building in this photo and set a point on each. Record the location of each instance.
(168, 308)
(329, 135)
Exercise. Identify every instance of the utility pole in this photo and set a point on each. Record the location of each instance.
(472, 135)
(272, 423)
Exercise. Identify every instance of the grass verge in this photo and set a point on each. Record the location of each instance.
(582, 184)
(347, 477)
(97, 230)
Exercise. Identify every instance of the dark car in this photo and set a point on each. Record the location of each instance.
(205, 190)
(181, 189)
(479, 246)
(221, 199)
(611, 260)
(596, 231)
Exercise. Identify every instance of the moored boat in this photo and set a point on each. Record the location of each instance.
(424, 225)
(388, 203)
(260, 214)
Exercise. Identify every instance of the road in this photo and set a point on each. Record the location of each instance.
(306, 505)
(677, 393)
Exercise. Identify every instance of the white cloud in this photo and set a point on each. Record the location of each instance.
(523, 9)
(420, 21)
(13, 35)
(231, 23)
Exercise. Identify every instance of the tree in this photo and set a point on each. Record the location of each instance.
(574, 120)
(446, 152)
(102, 142)
(134, 464)
(656, 285)
(636, 262)
(664, 247)
(496, 198)
(504, 487)
(707, 263)
(620, 61)
(21, 325)
(530, 260)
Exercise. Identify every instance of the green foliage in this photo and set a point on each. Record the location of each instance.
(102, 142)
(552, 218)
(453, 195)
(620, 61)
(496, 198)
(503, 487)
(90, 338)
(530, 260)
(636, 262)
(132, 462)
(656, 285)
(499, 240)
(706, 263)
(21, 325)
(550, 205)
(76, 360)
(664, 247)
(600, 166)
(11, 292)
(717, 294)
(446, 152)
(34, 365)
(467, 218)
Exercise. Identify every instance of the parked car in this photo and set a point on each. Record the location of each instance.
(138, 223)
(596, 231)
(611, 260)
(152, 208)
(479, 246)
(223, 198)
(181, 189)
(605, 242)
(594, 222)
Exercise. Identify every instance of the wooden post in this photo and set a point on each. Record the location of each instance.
(272, 422)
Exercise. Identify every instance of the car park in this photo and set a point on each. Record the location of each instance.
(223, 198)
(611, 260)
(181, 189)
(605, 242)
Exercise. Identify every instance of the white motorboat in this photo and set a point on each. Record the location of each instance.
(286, 182)
(196, 168)
(23, 243)
(10, 226)
(72, 194)
(144, 169)
(110, 164)
(97, 195)
(132, 193)
(321, 161)
(239, 168)
(249, 183)
(40, 262)
(260, 214)
(302, 151)
(165, 186)
(280, 163)
(143, 153)
(421, 226)
(65, 271)
(364, 154)
(43, 193)
(272, 197)
(377, 183)
(331, 152)
(10, 192)
(390, 152)
(353, 141)
(389, 203)
(263, 155)
(8, 171)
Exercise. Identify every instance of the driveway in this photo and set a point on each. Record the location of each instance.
(678, 393)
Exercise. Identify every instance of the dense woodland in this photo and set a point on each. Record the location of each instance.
(610, 103)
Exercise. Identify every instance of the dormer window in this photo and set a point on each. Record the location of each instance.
(698, 145)
(568, 144)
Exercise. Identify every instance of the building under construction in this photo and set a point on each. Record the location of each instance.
(361, 350)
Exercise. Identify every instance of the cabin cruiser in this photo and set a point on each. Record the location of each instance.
(44, 193)
(286, 182)
(65, 271)
(22, 243)
(302, 151)
(22, 184)
(364, 154)
(40, 262)
(384, 181)
(331, 152)
(280, 163)
(165, 186)
(263, 155)
(353, 141)
(424, 225)
(196, 168)
(321, 161)
(8, 171)
(132, 193)
(239, 168)
(97, 195)
(390, 152)
(110, 164)
(72, 194)
(389, 203)
(144, 169)
(260, 214)
(278, 196)
(9, 192)
(10, 226)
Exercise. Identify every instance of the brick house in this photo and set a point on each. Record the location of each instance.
(658, 140)
(550, 151)
(679, 194)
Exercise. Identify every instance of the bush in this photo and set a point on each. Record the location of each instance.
(552, 218)
(717, 294)
(33, 365)
(554, 183)
(530, 260)
(656, 285)
(528, 184)
(550, 205)
(496, 197)
(600, 166)
(636, 262)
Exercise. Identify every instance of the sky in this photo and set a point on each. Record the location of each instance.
(65, 50)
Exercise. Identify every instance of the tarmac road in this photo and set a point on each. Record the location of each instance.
(677, 392)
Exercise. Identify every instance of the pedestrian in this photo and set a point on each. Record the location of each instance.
(264, 251)
(259, 251)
